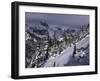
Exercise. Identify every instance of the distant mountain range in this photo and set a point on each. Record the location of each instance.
(41, 29)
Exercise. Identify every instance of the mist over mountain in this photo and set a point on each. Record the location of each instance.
(58, 19)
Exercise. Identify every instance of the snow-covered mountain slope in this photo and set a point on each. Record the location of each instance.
(66, 59)
(83, 43)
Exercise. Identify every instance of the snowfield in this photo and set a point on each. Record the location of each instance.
(66, 59)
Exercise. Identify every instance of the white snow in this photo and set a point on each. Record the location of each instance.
(60, 39)
(28, 37)
(61, 59)
(35, 40)
(83, 43)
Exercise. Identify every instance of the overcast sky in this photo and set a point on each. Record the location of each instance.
(61, 19)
